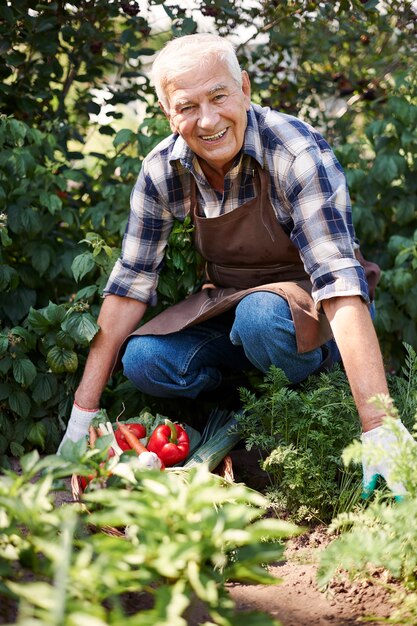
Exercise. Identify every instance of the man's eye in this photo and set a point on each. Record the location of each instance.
(220, 97)
(187, 108)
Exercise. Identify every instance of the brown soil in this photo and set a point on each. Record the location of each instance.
(297, 601)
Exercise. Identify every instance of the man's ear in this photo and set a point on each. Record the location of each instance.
(167, 115)
(246, 88)
(161, 106)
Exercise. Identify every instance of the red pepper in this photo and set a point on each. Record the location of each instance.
(170, 442)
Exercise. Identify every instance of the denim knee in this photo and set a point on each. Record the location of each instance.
(139, 362)
(168, 367)
(257, 313)
(264, 327)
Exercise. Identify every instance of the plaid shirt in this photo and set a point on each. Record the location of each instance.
(307, 188)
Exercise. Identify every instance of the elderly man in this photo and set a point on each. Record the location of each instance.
(272, 219)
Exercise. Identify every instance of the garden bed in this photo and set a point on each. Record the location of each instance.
(296, 601)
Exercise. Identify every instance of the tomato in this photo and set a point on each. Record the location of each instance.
(84, 480)
(137, 429)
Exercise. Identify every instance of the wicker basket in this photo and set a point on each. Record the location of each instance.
(224, 469)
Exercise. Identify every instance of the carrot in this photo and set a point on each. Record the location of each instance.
(93, 436)
(131, 439)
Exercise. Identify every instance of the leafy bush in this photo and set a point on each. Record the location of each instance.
(186, 534)
(51, 287)
(381, 166)
(303, 431)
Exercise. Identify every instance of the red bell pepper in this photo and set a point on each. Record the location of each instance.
(170, 442)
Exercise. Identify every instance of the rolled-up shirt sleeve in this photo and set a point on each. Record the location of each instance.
(316, 189)
(135, 273)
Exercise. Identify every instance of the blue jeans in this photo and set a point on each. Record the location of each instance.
(258, 333)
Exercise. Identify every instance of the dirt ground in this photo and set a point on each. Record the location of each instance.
(297, 601)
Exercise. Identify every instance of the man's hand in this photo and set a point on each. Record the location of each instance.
(380, 447)
(78, 424)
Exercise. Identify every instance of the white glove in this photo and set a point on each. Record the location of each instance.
(381, 446)
(78, 424)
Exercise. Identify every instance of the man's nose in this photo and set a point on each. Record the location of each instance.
(208, 116)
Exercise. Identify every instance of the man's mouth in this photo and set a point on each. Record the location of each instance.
(215, 136)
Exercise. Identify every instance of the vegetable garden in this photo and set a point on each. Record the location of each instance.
(78, 116)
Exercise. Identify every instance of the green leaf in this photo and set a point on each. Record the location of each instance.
(371, 4)
(42, 259)
(17, 305)
(37, 594)
(61, 360)
(4, 391)
(28, 462)
(44, 387)
(51, 201)
(24, 371)
(19, 402)
(37, 434)
(55, 313)
(16, 449)
(187, 26)
(86, 292)
(38, 321)
(17, 130)
(81, 327)
(73, 450)
(6, 363)
(9, 278)
(406, 210)
(123, 136)
(93, 108)
(4, 238)
(82, 265)
(4, 343)
(387, 167)
(31, 221)
(63, 340)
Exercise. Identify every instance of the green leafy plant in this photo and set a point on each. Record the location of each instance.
(381, 166)
(303, 432)
(381, 535)
(38, 362)
(186, 533)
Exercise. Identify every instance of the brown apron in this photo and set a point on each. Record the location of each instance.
(246, 250)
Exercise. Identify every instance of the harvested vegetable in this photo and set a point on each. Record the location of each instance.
(137, 429)
(92, 436)
(217, 444)
(170, 442)
(107, 429)
(130, 438)
(150, 459)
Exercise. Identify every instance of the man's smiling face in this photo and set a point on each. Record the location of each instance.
(208, 109)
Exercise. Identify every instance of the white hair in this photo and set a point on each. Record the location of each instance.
(184, 54)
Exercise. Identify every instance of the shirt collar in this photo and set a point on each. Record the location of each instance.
(251, 145)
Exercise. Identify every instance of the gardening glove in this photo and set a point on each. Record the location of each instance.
(380, 446)
(78, 424)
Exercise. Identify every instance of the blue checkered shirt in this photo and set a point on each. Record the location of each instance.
(307, 188)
